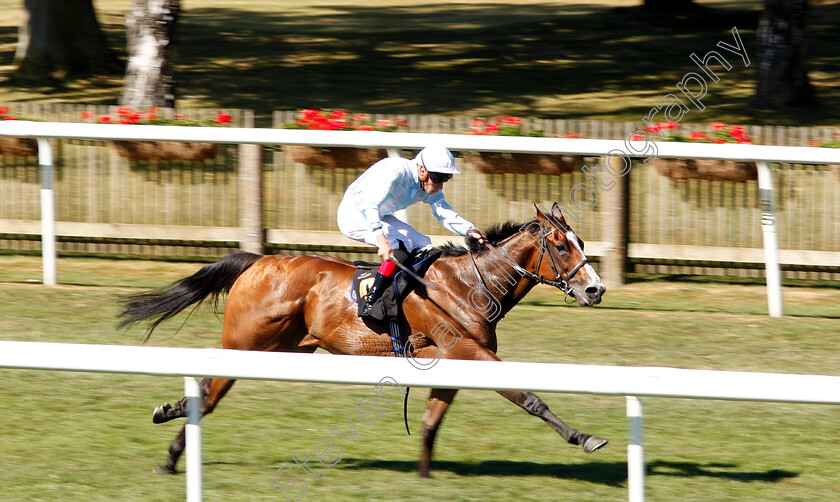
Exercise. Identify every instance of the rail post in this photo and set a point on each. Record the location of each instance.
(635, 452)
(771, 240)
(48, 246)
(192, 389)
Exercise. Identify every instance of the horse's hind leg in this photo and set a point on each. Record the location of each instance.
(535, 406)
(213, 390)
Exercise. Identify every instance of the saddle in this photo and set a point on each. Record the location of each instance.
(389, 305)
(387, 310)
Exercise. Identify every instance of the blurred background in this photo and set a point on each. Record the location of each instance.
(691, 292)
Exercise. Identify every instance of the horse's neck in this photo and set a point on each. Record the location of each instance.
(507, 285)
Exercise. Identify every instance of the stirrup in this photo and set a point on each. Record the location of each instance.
(366, 308)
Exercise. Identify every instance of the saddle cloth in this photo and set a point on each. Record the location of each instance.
(389, 305)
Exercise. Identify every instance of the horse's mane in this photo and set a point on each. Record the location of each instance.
(495, 234)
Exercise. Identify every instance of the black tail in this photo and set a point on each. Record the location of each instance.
(166, 302)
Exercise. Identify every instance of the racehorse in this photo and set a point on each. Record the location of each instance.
(300, 303)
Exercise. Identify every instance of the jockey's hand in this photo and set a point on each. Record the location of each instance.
(477, 235)
(385, 252)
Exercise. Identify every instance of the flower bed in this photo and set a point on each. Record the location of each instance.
(160, 150)
(339, 120)
(517, 163)
(16, 147)
(702, 169)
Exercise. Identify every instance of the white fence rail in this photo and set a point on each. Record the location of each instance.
(487, 375)
(762, 155)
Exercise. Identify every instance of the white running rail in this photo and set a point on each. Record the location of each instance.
(487, 375)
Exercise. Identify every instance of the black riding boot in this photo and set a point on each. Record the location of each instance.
(375, 291)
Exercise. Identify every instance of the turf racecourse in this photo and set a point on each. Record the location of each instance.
(76, 436)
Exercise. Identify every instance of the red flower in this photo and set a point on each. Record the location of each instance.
(337, 115)
(123, 111)
(105, 119)
(10, 117)
(718, 141)
(698, 136)
(637, 137)
(492, 128)
(478, 124)
(4, 110)
(223, 118)
(717, 126)
(512, 120)
(814, 143)
(655, 129)
(179, 116)
(365, 128)
(737, 132)
(572, 135)
(87, 115)
(384, 123)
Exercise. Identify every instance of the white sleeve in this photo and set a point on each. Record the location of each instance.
(447, 216)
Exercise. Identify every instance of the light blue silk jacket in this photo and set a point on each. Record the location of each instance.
(393, 184)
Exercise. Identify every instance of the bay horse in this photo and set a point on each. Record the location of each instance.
(300, 303)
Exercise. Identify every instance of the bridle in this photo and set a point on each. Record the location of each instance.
(560, 282)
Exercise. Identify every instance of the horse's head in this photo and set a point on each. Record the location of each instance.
(561, 261)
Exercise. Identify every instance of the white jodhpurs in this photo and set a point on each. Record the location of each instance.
(353, 225)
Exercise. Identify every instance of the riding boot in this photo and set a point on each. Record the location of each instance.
(379, 284)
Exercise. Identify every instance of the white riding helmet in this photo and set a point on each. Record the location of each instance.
(437, 159)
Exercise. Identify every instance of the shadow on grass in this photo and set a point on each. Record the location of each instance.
(606, 473)
(465, 58)
(715, 470)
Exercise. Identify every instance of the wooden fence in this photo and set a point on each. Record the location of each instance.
(185, 209)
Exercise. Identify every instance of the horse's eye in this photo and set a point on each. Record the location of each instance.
(563, 247)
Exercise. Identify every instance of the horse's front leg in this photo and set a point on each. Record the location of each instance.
(535, 406)
(439, 401)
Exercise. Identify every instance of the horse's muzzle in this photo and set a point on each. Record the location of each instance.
(591, 295)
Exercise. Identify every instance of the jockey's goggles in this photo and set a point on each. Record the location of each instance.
(439, 177)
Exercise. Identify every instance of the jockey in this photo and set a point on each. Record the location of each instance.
(392, 184)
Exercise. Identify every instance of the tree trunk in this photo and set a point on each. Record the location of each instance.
(60, 39)
(782, 52)
(150, 33)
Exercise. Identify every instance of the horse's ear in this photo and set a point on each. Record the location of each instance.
(557, 213)
(541, 213)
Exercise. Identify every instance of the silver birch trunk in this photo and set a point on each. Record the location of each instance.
(150, 35)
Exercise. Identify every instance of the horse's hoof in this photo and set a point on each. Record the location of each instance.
(593, 443)
(159, 415)
(162, 469)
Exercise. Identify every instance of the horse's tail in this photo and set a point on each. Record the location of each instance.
(166, 302)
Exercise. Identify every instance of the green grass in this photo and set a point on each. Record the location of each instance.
(606, 59)
(86, 437)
